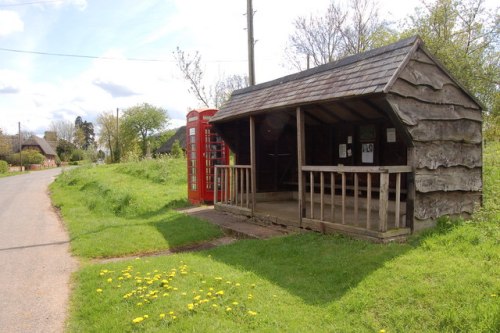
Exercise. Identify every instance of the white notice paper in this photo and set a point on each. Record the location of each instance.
(391, 135)
(367, 153)
(342, 150)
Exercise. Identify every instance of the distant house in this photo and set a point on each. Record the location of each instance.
(43, 147)
(180, 135)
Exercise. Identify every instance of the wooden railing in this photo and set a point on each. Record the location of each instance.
(335, 178)
(234, 185)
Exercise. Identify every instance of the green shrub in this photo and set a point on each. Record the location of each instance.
(28, 156)
(176, 150)
(77, 155)
(4, 167)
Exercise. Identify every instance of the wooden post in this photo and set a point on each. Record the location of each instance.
(322, 195)
(332, 196)
(235, 185)
(301, 159)
(398, 199)
(241, 187)
(247, 185)
(383, 201)
(356, 189)
(368, 200)
(311, 187)
(216, 188)
(253, 170)
(343, 196)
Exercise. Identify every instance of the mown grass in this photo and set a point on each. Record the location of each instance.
(127, 209)
(445, 280)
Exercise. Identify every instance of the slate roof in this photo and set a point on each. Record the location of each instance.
(44, 145)
(361, 74)
(180, 135)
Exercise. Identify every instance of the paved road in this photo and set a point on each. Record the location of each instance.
(35, 263)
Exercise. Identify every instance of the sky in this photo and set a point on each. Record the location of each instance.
(36, 89)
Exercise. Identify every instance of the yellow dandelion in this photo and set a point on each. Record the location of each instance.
(235, 303)
(190, 306)
(146, 316)
(237, 284)
(493, 295)
(99, 290)
(162, 315)
(220, 292)
(218, 278)
(139, 304)
(381, 331)
(110, 280)
(228, 309)
(171, 313)
(197, 298)
(215, 305)
(137, 320)
(252, 313)
(174, 317)
(183, 293)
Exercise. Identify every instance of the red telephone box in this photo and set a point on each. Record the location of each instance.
(205, 149)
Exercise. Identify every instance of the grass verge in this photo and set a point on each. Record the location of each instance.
(127, 209)
(445, 280)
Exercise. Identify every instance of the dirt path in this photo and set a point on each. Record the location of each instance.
(35, 263)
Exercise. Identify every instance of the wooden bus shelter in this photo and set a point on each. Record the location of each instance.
(375, 145)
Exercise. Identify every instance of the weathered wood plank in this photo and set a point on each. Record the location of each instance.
(397, 208)
(359, 169)
(448, 179)
(418, 73)
(368, 200)
(301, 158)
(447, 154)
(322, 195)
(383, 201)
(449, 94)
(253, 168)
(456, 130)
(412, 111)
(433, 205)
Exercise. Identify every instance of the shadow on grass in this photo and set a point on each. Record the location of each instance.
(316, 268)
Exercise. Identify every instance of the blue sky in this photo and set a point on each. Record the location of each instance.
(37, 89)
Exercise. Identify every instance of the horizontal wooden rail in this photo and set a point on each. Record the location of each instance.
(233, 185)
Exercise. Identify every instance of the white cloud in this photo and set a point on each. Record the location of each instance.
(10, 22)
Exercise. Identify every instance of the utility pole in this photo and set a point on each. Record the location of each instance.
(20, 148)
(251, 44)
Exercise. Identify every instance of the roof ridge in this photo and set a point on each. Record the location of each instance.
(331, 65)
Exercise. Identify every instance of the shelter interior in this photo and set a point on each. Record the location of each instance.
(352, 132)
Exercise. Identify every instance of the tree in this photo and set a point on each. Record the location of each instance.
(213, 96)
(84, 137)
(65, 129)
(463, 35)
(108, 134)
(5, 145)
(64, 149)
(343, 30)
(144, 120)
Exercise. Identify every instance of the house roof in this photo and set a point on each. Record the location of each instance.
(44, 145)
(180, 135)
(363, 74)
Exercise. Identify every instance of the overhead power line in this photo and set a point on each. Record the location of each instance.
(106, 58)
(82, 56)
(29, 3)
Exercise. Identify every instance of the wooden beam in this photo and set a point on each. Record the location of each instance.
(355, 112)
(374, 106)
(301, 159)
(253, 171)
(410, 188)
(329, 112)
